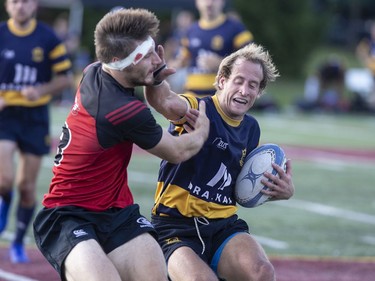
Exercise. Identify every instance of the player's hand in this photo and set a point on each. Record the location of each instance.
(162, 71)
(280, 187)
(197, 120)
(2, 103)
(30, 93)
(208, 61)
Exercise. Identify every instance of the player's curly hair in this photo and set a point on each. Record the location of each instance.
(251, 52)
(116, 33)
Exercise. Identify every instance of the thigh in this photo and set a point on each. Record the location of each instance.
(184, 264)
(87, 261)
(140, 259)
(243, 258)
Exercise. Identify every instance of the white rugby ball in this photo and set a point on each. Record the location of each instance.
(248, 184)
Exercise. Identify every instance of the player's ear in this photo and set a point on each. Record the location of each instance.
(221, 82)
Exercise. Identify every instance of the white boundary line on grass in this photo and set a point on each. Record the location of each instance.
(8, 276)
(368, 239)
(327, 210)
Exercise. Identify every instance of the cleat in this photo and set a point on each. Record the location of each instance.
(4, 209)
(18, 254)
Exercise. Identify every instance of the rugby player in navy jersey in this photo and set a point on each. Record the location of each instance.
(207, 41)
(90, 228)
(33, 66)
(195, 209)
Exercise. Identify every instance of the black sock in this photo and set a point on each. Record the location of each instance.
(24, 216)
(7, 198)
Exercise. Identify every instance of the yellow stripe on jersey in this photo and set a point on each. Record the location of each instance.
(188, 205)
(201, 81)
(61, 66)
(14, 98)
(242, 38)
(57, 52)
(21, 32)
(226, 118)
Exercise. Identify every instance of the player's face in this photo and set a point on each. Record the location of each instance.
(142, 73)
(239, 91)
(21, 11)
(210, 9)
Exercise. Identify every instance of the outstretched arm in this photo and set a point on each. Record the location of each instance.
(181, 148)
(161, 97)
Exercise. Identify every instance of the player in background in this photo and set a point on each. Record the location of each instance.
(90, 228)
(365, 52)
(195, 210)
(214, 36)
(33, 67)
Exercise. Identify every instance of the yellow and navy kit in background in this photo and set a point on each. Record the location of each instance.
(222, 37)
(203, 186)
(29, 58)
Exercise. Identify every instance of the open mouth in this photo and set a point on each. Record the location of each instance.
(240, 101)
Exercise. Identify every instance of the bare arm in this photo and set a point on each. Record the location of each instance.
(165, 101)
(54, 87)
(181, 148)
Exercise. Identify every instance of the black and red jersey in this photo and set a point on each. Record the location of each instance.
(90, 167)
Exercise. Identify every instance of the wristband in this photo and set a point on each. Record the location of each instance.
(157, 72)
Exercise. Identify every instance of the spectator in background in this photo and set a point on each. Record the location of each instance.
(326, 89)
(214, 36)
(33, 66)
(365, 52)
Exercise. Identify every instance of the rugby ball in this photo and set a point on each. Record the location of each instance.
(248, 184)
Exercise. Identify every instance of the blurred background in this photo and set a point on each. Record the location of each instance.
(313, 42)
(321, 110)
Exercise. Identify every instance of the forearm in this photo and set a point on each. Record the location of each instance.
(56, 85)
(178, 149)
(165, 101)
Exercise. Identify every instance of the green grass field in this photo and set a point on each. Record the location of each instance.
(333, 211)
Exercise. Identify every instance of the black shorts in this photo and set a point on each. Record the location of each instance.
(206, 237)
(28, 127)
(58, 230)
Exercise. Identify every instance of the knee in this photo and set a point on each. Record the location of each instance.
(263, 270)
(6, 183)
(27, 197)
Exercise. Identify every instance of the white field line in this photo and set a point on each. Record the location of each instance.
(8, 276)
(272, 243)
(368, 239)
(327, 210)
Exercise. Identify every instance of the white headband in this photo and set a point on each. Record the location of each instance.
(135, 57)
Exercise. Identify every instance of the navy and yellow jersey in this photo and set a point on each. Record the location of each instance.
(203, 186)
(222, 37)
(29, 58)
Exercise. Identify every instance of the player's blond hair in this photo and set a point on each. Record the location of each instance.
(254, 53)
(117, 32)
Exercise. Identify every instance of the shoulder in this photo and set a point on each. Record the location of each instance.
(46, 30)
(250, 120)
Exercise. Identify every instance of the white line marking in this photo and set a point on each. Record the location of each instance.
(368, 239)
(4, 275)
(327, 210)
(281, 245)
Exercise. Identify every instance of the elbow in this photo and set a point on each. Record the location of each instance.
(177, 158)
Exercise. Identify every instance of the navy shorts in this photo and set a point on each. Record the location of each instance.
(206, 237)
(58, 230)
(26, 126)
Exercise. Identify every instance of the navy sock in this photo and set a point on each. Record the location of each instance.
(7, 198)
(24, 216)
